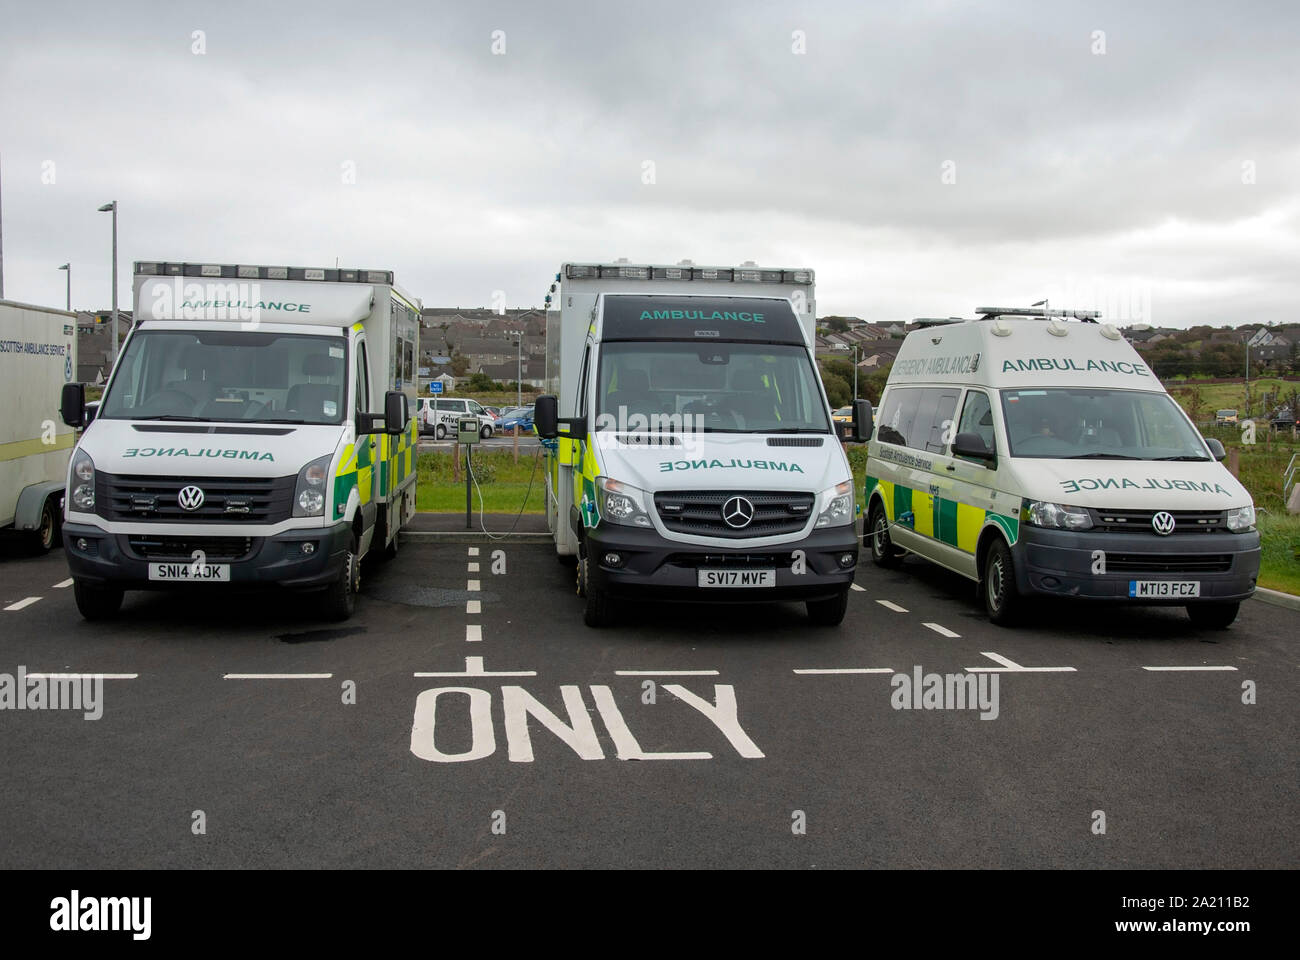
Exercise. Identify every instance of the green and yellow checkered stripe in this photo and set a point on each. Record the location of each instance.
(948, 521)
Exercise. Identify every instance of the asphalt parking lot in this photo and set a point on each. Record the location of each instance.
(490, 728)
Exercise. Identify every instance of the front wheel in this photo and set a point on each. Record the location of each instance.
(829, 612)
(94, 602)
(341, 595)
(599, 611)
(1002, 600)
(1212, 616)
(440, 432)
(46, 535)
(485, 432)
(883, 553)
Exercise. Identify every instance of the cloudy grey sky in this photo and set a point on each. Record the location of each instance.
(1160, 176)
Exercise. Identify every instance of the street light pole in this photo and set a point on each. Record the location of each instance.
(855, 373)
(519, 373)
(112, 208)
(68, 267)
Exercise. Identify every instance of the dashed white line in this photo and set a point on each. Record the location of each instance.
(1010, 666)
(665, 673)
(834, 670)
(83, 676)
(473, 633)
(473, 551)
(941, 630)
(473, 585)
(63, 583)
(474, 668)
(890, 605)
(1187, 669)
(276, 676)
(25, 602)
(473, 606)
(471, 568)
(854, 586)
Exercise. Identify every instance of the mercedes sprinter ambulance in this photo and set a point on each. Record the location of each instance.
(1040, 456)
(238, 440)
(693, 454)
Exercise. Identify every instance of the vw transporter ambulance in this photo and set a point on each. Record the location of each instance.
(690, 450)
(256, 429)
(1040, 456)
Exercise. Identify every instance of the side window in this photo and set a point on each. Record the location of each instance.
(933, 426)
(580, 406)
(977, 417)
(475, 407)
(363, 379)
(897, 414)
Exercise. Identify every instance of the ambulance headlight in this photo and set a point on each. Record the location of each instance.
(83, 482)
(1242, 519)
(837, 505)
(622, 503)
(1059, 516)
(309, 495)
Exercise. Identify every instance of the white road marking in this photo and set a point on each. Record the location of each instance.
(1189, 669)
(854, 586)
(473, 632)
(473, 585)
(63, 583)
(276, 676)
(474, 668)
(471, 568)
(847, 670)
(625, 745)
(942, 630)
(25, 602)
(665, 673)
(889, 605)
(473, 606)
(1010, 666)
(83, 676)
(473, 551)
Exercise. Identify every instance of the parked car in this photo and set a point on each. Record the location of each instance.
(521, 417)
(1225, 418)
(843, 415)
(438, 416)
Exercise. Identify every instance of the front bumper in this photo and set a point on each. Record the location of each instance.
(1061, 563)
(109, 559)
(657, 569)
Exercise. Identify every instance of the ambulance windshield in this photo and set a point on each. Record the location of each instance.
(719, 387)
(1064, 424)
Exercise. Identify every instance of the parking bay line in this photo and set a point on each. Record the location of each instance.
(471, 568)
(665, 673)
(1186, 669)
(20, 604)
(276, 676)
(473, 551)
(473, 606)
(474, 668)
(854, 586)
(473, 586)
(838, 670)
(942, 630)
(63, 583)
(473, 633)
(82, 676)
(890, 605)
(1010, 666)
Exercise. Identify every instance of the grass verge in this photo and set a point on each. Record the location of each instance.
(502, 482)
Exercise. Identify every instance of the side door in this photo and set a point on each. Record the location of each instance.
(972, 496)
(922, 494)
(584, 457)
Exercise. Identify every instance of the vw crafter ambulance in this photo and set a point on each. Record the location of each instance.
(1040, 456)
(238, 440)
(693, 454)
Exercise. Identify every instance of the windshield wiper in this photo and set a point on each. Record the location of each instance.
(794, 430)
(1182, 456)
(175, 416)
(259, 420)
(1101, 456)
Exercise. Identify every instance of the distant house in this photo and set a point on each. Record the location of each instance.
(533, 372)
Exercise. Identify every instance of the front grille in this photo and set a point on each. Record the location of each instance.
(699, 513)
(794, 441)
(214, 549)
(739, 561)
(225, 499)
(1168, 562)
(1139, 521)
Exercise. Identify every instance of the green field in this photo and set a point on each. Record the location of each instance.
(1201, 400)
(502, 483)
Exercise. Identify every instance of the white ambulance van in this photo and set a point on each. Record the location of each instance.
(1040, 456)
(693, 454)
(238, 441)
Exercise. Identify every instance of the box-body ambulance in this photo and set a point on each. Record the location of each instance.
(690, 450)
(1040, 456)
(256, 430)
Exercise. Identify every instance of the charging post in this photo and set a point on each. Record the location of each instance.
(467, 433)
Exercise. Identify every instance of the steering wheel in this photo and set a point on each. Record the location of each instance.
(165, 402)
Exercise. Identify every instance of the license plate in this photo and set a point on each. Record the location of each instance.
(1163, 589)
(737, 578)
(191, 572)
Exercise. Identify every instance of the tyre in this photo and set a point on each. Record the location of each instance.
(341, 595)
(883, 551)
(96, 602)
(580, 575)
(1212, 616)
(1002, 600)
(485, 432)
(43, 539)
(440, 431)
(599, 611)
(829, 612)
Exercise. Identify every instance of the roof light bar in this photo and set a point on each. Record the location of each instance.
(986, 312)
(248, 271)
(685, 271)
